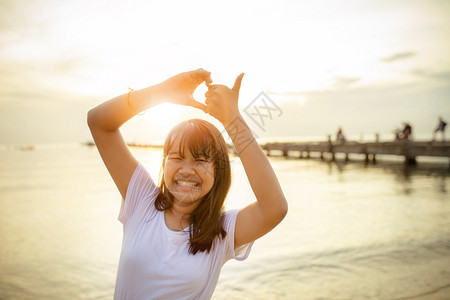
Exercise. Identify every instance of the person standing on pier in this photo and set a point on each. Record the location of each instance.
(407, 131)
(340, 137)
(440, 128)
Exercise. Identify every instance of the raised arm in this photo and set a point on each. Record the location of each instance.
(106, 119)
(258, 218)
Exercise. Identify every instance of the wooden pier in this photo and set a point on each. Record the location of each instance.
(410, 150)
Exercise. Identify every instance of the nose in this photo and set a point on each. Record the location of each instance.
(187, 169)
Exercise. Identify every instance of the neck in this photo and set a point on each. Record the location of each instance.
(177, 219)
(180, 212)
(178, 215)
(180, 208)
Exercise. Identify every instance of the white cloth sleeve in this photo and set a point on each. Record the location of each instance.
(242, 252)
(140, 196)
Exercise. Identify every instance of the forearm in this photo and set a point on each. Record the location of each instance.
(260, 173)
(112, 114)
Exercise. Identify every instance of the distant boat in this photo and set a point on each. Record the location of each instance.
(139, 145)
(89, 143)
(24, 147)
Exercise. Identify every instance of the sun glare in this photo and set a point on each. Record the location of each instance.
(163, 113)
(167, 115)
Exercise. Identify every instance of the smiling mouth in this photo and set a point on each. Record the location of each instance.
(186, 183)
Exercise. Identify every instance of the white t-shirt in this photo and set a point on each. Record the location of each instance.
(155, 262)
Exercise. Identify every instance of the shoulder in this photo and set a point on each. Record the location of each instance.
(233, 252)
(141, 179)
(140, 195)
(229, 221)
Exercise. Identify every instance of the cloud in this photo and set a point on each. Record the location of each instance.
(337, 83)
(432, 74)
(361, 109)
(345, 82)
(8, 12)
(398, 56)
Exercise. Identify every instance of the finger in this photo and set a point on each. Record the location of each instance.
(209, 93)
(237, 83)
(202, 75)
(208, 80)
(209, 100)
(198, 105)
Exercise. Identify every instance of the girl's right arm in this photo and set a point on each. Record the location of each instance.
(106, 119)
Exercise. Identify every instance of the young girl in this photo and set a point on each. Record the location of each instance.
(177, 236)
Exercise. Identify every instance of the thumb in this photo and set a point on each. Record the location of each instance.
(198, 105)
(237, 83)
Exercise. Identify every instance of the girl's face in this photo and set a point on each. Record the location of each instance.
(186, 177)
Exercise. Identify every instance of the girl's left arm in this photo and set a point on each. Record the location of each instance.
(258, 218)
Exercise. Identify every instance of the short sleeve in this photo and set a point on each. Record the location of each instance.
(140, 196)
(242, 252)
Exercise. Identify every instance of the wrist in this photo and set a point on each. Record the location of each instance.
(236, 124)
(148, 97)
(232, 118)
(240, 133)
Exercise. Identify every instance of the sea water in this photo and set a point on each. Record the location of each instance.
(353, 231)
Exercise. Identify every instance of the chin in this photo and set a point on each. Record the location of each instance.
(183, 199)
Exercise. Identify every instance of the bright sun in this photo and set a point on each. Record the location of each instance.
(172, 113)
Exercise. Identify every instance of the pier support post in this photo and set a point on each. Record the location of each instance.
(330, 148)
(410, 160)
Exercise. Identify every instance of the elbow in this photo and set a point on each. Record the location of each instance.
(91, 118)
(280, 213)
(283, 210)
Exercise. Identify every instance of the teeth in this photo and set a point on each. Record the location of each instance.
(186, 183)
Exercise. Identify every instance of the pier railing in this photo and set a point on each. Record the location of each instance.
(406, 148)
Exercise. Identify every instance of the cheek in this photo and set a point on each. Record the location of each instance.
(168, 172)
(209, 179)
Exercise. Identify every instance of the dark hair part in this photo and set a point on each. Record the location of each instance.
(202, 139)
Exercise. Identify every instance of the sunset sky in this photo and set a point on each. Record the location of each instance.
(365, 65)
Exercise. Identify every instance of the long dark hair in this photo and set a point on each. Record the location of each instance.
(202, 139)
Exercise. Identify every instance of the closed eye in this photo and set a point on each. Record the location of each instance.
(201, 158)
(174, 157)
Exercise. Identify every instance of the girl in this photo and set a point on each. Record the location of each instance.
(177, 236)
